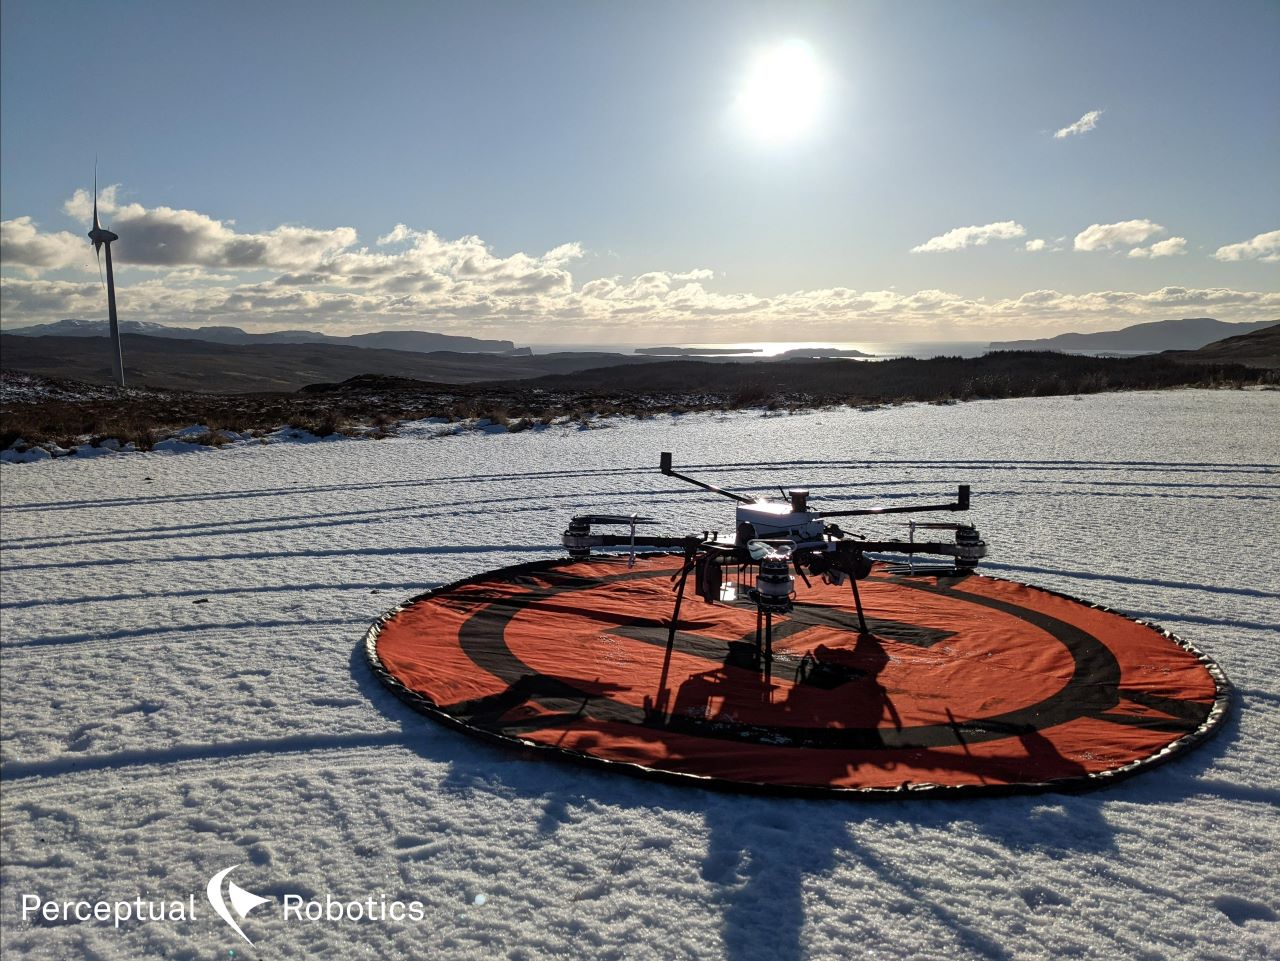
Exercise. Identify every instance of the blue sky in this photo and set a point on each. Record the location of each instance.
(583, 171)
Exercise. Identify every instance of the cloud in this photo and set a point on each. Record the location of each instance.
(1264, 247)
(79, 206)
(975, 236)
(1035, 246)
(1127, 233)
(1173, 247)
(412, 278)
(1083, 125)
(22, 245)
(652, 304)
(166, 237)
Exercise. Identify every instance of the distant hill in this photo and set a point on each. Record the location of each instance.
(197, 365)
(1004, 374)
(1189, 333)
(1259, 348)
(416, 340)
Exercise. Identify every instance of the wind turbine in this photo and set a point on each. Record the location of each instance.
(102, 237)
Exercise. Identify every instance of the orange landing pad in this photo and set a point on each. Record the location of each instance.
(964, 685)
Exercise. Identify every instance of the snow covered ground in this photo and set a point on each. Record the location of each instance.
(183, 691)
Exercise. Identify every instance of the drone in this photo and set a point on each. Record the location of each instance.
(774, 542)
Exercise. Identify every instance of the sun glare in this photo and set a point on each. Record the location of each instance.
(782, 93)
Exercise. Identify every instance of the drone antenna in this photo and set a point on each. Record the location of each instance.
(664, 465)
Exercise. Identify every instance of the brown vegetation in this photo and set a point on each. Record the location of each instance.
(372, 405)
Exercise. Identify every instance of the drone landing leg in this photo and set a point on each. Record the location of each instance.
(759, 635)
(857, 602)
(675, 615)
(660, 704)
(768, 647)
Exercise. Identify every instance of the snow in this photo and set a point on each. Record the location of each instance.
(171, 445)
(184, 690)
(27, 456)
(195, 439)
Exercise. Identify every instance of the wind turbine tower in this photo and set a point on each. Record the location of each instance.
(102, 237)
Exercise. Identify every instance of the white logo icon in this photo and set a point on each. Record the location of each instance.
(243, 901)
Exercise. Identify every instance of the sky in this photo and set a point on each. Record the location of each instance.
(608, 172)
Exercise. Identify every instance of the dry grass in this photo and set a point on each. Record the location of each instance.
(373, 406)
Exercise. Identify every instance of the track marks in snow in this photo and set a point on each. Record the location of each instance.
(336, 701)
(407, 588)
(299, 491)
(283, 555)
(1128, 579)
(177, 754)
(331, 519)
(1161, 617)
(168, 630)
(755, 469)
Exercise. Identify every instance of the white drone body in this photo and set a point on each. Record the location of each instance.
(777, 520)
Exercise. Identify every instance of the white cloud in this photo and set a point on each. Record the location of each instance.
(654, 304)
(165, 237)
(975, 236)
(1173, 247)
(1035, 246)
(79, 206)
(1264, 247)
(410, 278)
(1083, 125)
(1127, 233)
(22, 245)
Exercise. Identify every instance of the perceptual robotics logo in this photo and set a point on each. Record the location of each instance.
(243, 901)
(229, 901)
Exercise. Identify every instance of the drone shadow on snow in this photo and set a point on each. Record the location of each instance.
(767, 857)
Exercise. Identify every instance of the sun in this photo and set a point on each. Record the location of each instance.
(782, 94)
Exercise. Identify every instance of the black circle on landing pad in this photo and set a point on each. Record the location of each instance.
(964, 685)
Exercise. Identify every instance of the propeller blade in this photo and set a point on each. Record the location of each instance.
(96, 225)
(612, 519)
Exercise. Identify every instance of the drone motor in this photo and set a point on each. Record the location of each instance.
(577, 539)
(970, 548)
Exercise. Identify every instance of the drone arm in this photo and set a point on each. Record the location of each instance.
(664, 464)
(961, 503)
(967, 550)
(907, 547)
(641, 540)
(579, 543)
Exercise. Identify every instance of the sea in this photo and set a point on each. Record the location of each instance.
(881, 350)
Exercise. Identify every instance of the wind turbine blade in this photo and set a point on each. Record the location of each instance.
(97, 255)
(95, 194)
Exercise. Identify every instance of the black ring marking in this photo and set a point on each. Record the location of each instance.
(1085, 781)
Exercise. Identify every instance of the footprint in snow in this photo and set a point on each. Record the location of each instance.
(1240, 910)
(1037, 896)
